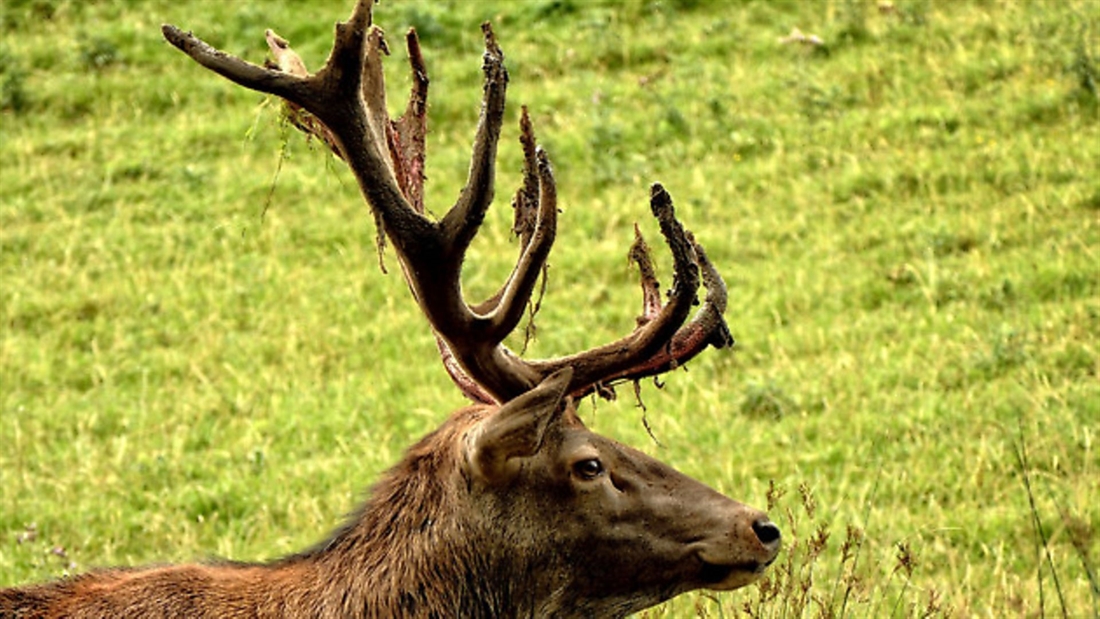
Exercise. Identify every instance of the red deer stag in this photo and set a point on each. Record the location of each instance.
(511, 508)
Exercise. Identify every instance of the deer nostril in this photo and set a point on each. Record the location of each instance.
(766, 531)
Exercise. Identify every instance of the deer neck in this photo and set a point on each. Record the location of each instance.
(421, 546)
(416, 549)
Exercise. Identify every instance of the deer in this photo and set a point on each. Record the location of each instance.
(512, 507)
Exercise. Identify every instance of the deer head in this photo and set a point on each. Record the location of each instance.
(512, 507)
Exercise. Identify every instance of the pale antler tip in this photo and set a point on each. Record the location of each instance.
(491, 45)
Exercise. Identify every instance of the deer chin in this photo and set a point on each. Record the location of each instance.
(718, 574)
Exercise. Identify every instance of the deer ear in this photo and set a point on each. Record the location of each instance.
(516, 429)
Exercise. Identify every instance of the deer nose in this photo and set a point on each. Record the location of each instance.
(766, 532)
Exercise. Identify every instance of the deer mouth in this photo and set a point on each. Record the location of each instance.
(724, 577)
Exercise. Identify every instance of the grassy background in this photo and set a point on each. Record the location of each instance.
(908, 219)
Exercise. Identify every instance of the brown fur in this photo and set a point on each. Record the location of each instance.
(435, 539)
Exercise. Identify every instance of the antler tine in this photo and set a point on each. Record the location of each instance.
(287, 85)
(598, 366)
(412, 127)
(706, 328)
(651, 288)
(332, 95)
(528, 215)
(461, 223)
(536, 219)
(517, 291)
(525, 202)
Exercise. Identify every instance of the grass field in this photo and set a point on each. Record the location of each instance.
(200, 357)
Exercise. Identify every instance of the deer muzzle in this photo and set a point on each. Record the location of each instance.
(740, 558)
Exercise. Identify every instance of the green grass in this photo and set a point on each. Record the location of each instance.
(908, 219)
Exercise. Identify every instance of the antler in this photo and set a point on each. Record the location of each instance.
(344, 105)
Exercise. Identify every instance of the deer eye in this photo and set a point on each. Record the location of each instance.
(588, 469)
